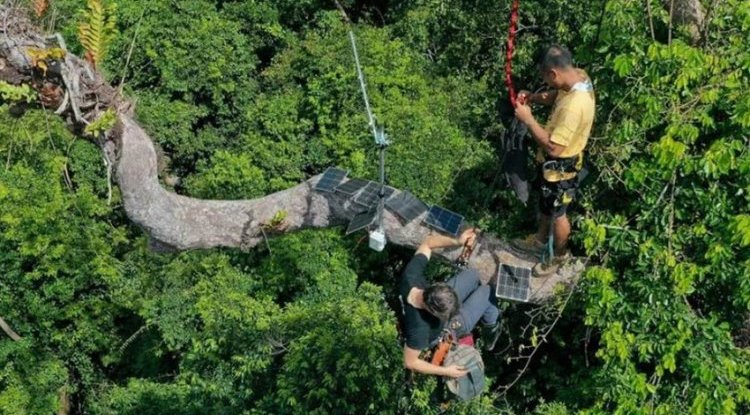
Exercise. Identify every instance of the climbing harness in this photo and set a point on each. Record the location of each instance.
(556, 170)
(559, 169)
(510, 46)
(377, 236)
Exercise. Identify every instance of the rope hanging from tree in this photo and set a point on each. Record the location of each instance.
(510, 45)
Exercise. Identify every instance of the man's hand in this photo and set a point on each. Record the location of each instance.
(467, 237)
(523, 97)
(523, 113)
(455, 371)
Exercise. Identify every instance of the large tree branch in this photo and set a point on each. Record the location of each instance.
(9, 331)
(182, 223)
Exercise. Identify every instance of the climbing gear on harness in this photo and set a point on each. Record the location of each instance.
(559, 169)
(515, 149)
(438, 355)
(558, 190)
(510, 45)
(378, 238)
(470, 385)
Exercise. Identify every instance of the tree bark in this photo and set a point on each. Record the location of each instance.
(689, 13)
(177, 222)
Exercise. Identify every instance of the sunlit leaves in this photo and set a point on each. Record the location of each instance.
(10, 92)
(741, 229)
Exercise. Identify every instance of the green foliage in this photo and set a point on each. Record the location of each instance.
(148, 398)
(102, 124)
(29, 380)
(10, 92)
(227, 176)
(58, 254)
(249, 97)
(345, 347)
(278, 218)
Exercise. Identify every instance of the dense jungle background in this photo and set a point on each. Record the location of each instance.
(249, 97)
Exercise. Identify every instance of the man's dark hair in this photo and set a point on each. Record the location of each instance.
(555, 57)
(441, 301)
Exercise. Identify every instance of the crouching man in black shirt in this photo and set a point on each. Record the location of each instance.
(463, 301)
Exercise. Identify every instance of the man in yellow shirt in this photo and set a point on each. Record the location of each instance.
(561, 144)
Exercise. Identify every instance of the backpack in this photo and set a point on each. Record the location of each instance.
(470, 385)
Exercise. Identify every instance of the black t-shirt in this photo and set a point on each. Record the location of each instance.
(420, 327)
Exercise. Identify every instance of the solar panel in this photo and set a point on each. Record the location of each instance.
(331, 178)
(352, 186)
(362, 221)
(406, 206)
(444, 220)
(369, 195)
(513, 283)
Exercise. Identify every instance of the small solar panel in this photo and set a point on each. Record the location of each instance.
(362, 221)
(406, 206)
(513, 283)
(369, 195)
(352, 186)
(444, 220)
(330, 179)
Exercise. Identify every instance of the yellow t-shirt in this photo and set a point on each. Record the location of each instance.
(572, 119)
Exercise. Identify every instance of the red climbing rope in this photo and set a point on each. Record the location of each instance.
(509, 52)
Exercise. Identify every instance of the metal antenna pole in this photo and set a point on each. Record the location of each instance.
(381, 139)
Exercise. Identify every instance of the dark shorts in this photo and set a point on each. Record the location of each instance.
(556, 196)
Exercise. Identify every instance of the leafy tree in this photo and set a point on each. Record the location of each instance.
(250, 97)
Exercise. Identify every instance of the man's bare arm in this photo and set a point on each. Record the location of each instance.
(540, 135)
(413, 362)
(543, 138)
(440, 241)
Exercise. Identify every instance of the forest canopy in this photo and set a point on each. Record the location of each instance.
(245, 98)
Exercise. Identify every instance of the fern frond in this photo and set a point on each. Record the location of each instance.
(40, 6)
(97, 30)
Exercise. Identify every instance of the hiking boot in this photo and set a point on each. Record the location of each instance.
(544, 270)
(490, 335)
(528, 244)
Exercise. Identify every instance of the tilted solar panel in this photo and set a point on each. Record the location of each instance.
(406, 206)
(444, 220)
(352, 186)
(331, 178)
(368, 197)
(362, 221)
